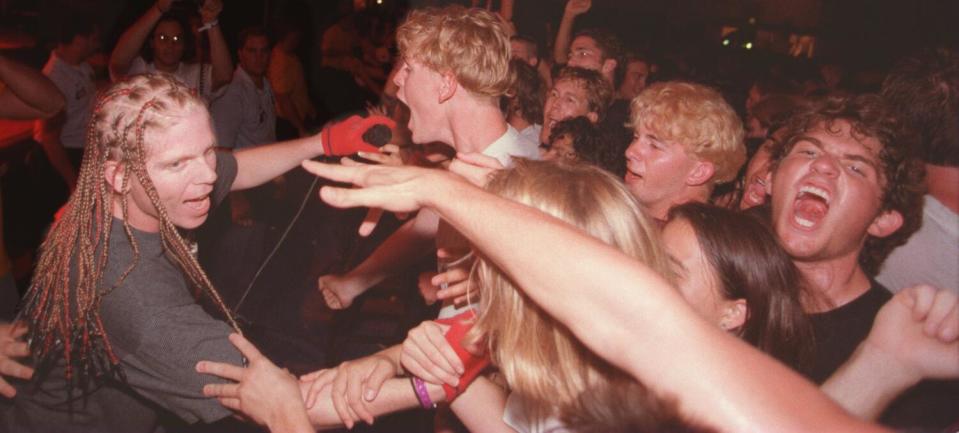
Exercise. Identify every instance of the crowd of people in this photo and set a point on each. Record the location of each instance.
(618, 246)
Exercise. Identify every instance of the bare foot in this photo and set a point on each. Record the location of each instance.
(338, 291)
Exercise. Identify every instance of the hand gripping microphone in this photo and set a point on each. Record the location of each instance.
(356, 133)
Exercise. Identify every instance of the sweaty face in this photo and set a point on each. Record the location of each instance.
(695, 277)
(419, 88)
(584, 53)
(168, 41)
(826, 193)
(255, 56)
(656, 171)
(637, 72)
(181, 164)
(566, 100)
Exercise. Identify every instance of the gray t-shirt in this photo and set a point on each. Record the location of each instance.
(159, 333)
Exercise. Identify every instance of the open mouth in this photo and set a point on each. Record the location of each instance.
(199, 204)
(811, 206)
(755, 193)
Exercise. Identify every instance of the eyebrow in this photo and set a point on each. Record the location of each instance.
(846, 156)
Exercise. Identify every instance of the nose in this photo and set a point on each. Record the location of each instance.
(826, 165)
(399, 77)
(206, 173)
(633, 152)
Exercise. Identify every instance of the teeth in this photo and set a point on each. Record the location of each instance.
(804, 222)
(818, 192)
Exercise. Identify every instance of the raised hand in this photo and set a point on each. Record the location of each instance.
(210, 10)
(396, 189)
(577, 7)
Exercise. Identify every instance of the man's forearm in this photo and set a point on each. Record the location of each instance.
(866, 383)
(410, 243)
(35, 93)
(222, 72)
(563, 35)
(258, 165)
(395, 395)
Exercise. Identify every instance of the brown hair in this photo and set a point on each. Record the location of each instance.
(902, 175)
(749, 264)
(527, 94)
(610, 48)
(471, 43)
(61, 306)
(925, 88)
(599, 94)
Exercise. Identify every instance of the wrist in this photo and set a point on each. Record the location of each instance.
(208, 25)
(293, 418)
(883, 363)
(160, 9)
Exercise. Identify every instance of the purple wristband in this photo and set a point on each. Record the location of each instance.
(419, 387)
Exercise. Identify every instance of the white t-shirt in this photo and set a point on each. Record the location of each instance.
(930, 256)
(517, 416)
(244, 115)
(532, 132)
(79, 90)
(510, 144)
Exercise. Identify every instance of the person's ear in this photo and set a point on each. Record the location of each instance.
(734, 315)
(593, 117)
(448, 87)
(701, 173)
(113, 173)
(609, 65)
(885, 224)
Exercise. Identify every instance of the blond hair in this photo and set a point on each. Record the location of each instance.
(698, 118)
(473, 44)
(541, 359)
(62, 305)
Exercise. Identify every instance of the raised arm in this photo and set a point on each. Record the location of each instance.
(574, 8)
(222, 72)
(131, 41)
(648, 336)
(915, 336)
(28, 94)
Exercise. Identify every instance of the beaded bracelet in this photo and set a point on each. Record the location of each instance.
(419, 387)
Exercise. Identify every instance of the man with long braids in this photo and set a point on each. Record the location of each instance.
(113, 329)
